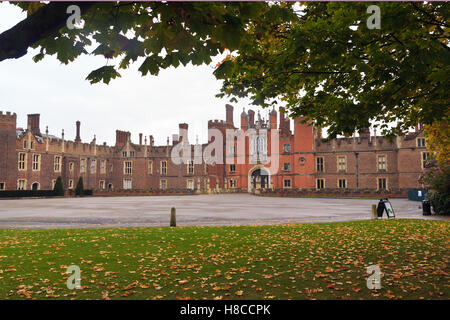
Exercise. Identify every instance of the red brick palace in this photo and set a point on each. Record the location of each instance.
(31, 159)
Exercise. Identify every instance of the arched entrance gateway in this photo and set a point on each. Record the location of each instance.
(259, 178)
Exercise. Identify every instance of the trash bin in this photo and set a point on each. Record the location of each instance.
(426, 208)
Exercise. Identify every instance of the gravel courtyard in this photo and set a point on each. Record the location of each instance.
(207, 210)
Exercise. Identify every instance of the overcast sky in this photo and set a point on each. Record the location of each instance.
(150, 105)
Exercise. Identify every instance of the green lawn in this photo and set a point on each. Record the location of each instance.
(310, 261)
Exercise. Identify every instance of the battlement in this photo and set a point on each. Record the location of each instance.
(8, 120)
(8, 116)
(220, 124)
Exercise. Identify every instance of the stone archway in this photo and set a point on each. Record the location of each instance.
(258, 178)
(35, 186)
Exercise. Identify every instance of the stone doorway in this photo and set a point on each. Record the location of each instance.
(259, 179)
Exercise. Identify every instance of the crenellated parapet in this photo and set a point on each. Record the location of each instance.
(8, 119)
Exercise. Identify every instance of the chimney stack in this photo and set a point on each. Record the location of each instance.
(140, 139)
(273, 119)
(251, 118)
(244, 119)
(77, 138)
(229, 114)
(151, 141)
(364, 133)
(183, 132)
(33, 123)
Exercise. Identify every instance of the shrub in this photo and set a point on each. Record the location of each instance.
(79, 190)
(439, 188)
(59, 188)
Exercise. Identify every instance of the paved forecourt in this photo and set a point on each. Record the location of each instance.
(205, 210)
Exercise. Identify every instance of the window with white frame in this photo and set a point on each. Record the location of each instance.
(22, 184)
(127, 167)
(287, 183)
(381, 159)
(2, 186)
(131, 153)
(425, 157)
(286, 148)
(36, 162)
(342, 183)
(232, 168)
(233, 183)
(190, 184)
(127, 184)
(319, 164)
(82, 165)
(102, 184)
(191, 167)
(163, 184)
(342, 163)
(71, 166)
(70, 184)
(53, 183)
(57, 164)
(124, 154)
(163, 167)
(287, 166)
(102, 166)
(93, 166)
(382, 183)
(320, 183)
(421, 142)
(22, 161)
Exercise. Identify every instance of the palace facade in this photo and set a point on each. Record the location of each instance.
(299, 159)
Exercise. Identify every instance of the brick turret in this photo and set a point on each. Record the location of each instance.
(8, 156)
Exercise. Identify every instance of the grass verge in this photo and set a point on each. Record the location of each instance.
(311, 261)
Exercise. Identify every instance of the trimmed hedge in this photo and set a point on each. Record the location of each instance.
(36, 193)
(27, 193)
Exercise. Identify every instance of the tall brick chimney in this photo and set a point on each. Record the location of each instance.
(183, 132)
(33, 123)
(273, 119)
(229, 114)
(77, 138)
(364, 133)
(244, 119)
(122, 137)
(151, 141)
(251, 118)
(140, 139)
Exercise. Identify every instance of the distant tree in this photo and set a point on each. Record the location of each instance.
(59, 188)
(79, 190)
(438, 180)
(438, 139)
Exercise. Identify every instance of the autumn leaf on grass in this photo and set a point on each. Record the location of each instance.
(128, 293)
(105, 295)
(130, 286)
(239, 293)
(183, 282)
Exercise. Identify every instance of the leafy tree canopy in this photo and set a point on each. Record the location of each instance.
(330, 67)
(166, 34)
(323, 61)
